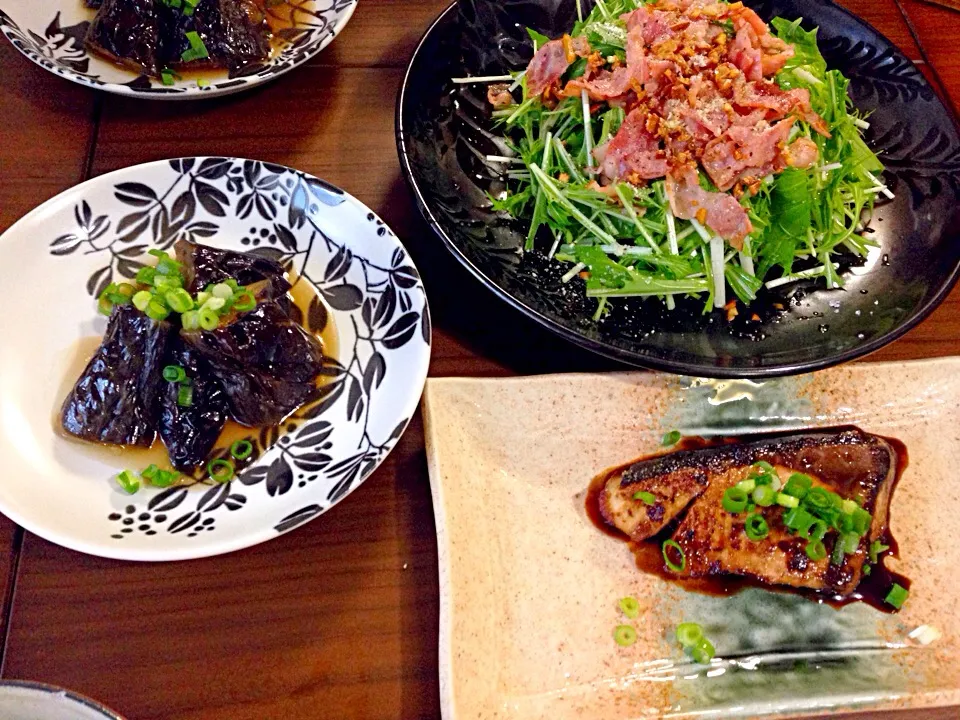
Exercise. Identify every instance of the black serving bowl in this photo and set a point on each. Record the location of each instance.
(789, 330)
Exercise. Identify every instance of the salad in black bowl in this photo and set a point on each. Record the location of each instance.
(684, 185)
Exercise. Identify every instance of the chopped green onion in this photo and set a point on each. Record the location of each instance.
(128, 481)
(689, 634)
(624, 635)
(787, 501)
(816, 550)
(202, 297)
(156, 310)
(142, 299)
(104, 306)
(241, 449)
(168, 77)
(861, 521)
(233, 284)
(157, 253)
(197, 50)
(747, 485)
(797, 519)
(208, 318)
(703, 653)
(817, 530)
(761, 478)
(179, 300)
(164, 478)
(850, 541)
(818, 499)
(848, 506)
(836, 558)
(897, 596)
(244, 301)
(167, 282)
(764, 495)
(764, 466)
(671, 438)
(670, 564)
(185, 396)
(629, 606)
(222, 291)
(215, 304)
(220, 470)
(756, 527)
(190, 320)
(647, 497)
(174, 373)
(150, 472)
(876, 548)
(798, 485)
(734, 500)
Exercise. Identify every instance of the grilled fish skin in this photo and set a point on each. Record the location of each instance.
(688, 488)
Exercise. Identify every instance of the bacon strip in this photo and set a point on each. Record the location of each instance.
(742, 151)
(633, 150)
(724, 215)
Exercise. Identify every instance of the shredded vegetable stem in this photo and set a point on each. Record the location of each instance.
(587, 130)
(716, 265)
(674, 249)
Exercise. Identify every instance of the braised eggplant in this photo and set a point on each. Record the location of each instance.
(204, 265)
(127, 32)
(233, 33)
(190, 430)
(267, 364)
(150, 36)
(115, 399)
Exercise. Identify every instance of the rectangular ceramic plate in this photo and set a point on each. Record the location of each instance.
(529, 586)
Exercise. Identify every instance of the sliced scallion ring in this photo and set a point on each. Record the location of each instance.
(689, 634)
(624, 635)
(673, 544)
(629, 606)
(241, 449)
(220, 470)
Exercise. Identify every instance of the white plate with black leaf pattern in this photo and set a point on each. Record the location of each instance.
(51, 33)
(54, 262)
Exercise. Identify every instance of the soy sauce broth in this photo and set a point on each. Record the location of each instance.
(312, 313)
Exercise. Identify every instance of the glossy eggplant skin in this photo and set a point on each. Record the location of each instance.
(203, 265)
(115, 399)
(233, 31)
(127, 32)
(189, 432)
(267, 364)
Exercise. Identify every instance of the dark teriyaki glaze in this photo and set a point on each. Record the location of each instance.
(872, 589)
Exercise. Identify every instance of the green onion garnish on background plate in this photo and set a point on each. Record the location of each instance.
(629, 606)
(241, 449)
(897, 596)
(174, 373)
(624, 635)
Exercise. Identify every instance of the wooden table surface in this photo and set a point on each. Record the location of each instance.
(337, 619)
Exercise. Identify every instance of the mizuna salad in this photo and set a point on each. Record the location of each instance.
(683, 147)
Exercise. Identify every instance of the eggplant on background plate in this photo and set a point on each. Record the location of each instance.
(195, 342)
(158, 38)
